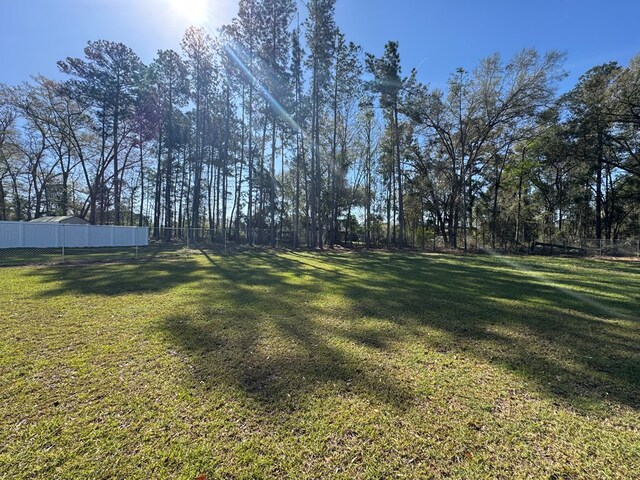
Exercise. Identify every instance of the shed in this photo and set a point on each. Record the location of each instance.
(67, 220)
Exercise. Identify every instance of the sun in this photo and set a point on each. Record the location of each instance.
(194, 11)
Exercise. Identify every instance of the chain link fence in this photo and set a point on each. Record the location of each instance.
(186, 242)
(163, 243)
(25, 243)
(58, 256)
(590, 247)
(568, 246)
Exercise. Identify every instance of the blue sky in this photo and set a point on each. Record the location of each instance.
(435, 36)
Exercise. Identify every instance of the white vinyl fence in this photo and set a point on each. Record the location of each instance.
(57, 235)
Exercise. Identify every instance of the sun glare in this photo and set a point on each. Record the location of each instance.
(194, 11)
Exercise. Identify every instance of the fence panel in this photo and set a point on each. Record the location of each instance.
(75, 236)
(42, 235)
(11, 234)
(100, 236)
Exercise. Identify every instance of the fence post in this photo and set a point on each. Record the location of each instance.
(638, 248)
(136, 231)
(64, 237)
(21, 235)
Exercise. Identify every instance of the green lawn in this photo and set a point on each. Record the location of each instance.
(301, 365)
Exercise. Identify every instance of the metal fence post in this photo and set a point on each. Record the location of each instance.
(63, 239)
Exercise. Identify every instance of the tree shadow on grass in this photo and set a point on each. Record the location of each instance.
(146, 276)
(262, 337)
(282, 328)
(582, 349)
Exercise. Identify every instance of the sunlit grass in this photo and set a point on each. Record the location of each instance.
(305, 365)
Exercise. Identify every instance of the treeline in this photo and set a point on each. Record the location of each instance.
(281, 131)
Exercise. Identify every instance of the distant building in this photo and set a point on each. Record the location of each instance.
(69, 220)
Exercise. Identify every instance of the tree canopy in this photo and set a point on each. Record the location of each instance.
(277, 130)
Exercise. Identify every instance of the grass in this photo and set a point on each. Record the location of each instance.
(304, 365)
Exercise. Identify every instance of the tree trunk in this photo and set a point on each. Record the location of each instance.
(599, 190)
(519, 214)
(399, 173)
(157, 202)
(272, 183)
(140, 220)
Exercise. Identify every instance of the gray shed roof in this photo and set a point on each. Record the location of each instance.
(60, 219)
